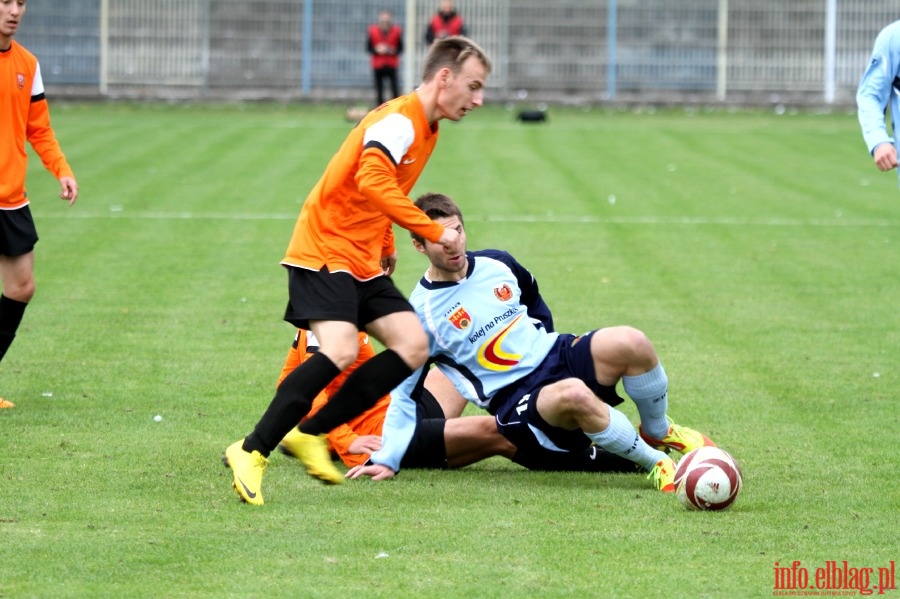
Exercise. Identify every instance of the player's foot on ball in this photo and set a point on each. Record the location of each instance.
(663, 475)
(312, 451)
(6, 404)
(680, 438)
(247, 469)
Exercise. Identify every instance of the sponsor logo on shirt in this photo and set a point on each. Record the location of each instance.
(492, 356)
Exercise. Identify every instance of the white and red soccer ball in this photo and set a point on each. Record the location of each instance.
(707, 478)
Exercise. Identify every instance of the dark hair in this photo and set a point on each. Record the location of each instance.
(452, 52)
(436, 205)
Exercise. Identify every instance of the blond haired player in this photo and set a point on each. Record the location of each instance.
(341, 255)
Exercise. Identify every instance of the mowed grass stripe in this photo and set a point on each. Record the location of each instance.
(772, 306)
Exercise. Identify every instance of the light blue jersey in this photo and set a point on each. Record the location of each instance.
(880, 88)
(485, 332)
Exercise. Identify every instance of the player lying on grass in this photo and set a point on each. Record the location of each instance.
(491, 333)
(443, 439)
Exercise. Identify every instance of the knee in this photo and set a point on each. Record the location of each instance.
(576, 398)
(414, 348)
(29, 291)
(21, 290)
(343, 353)
(570, 404)
(582, 408)
(639, 343)
(629, 346)
(491, 437)
(487, 427)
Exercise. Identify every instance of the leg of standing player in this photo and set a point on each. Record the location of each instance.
(406, 349)
(17, 281)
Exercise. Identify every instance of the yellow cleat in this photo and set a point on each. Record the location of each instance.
(248, 470)
(680, 438)
(6, 404)
(663, 475)
(313, 453)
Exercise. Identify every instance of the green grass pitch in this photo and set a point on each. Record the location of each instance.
(758, 251)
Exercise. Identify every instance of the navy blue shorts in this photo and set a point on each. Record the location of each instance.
(17, 232)
(323, 295)
(516, 405)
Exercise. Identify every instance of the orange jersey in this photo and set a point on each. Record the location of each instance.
(369, 422)
(346, 221)
(24, 116)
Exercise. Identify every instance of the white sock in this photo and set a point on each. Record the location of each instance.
(621, 439)
(649, 392)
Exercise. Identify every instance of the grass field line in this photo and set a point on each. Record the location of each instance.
(547, 218)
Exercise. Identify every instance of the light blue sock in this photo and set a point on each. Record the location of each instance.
(649, 392)
(621, 439)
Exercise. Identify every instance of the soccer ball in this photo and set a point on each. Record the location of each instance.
(707, 478)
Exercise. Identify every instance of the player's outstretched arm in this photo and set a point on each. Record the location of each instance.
(376, 471)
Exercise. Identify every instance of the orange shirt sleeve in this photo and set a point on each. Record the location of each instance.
(369, 422)
(42, 138)
(388, 246)
(340, 440)
(376, 179)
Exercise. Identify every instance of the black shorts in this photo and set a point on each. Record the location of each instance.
(17, 232)
(427, 448)
(322, 295)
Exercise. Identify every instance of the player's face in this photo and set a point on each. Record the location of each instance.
(447, 264)
(11, 12)
(463, 91)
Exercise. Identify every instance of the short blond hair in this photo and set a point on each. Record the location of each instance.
(452, 52)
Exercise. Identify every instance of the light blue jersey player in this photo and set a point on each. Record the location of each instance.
(879, 88)
(492, 334)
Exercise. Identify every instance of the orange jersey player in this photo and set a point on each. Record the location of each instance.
(346, 222)
(24, 116)
(339, 261)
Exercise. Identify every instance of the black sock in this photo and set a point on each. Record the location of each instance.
(370, 382)
(292, 401)
(11, 312)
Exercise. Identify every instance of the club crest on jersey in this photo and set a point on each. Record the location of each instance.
(460, 319)
(503, 292)
(20, 81)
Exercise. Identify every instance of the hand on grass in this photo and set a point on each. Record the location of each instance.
(376, 471)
